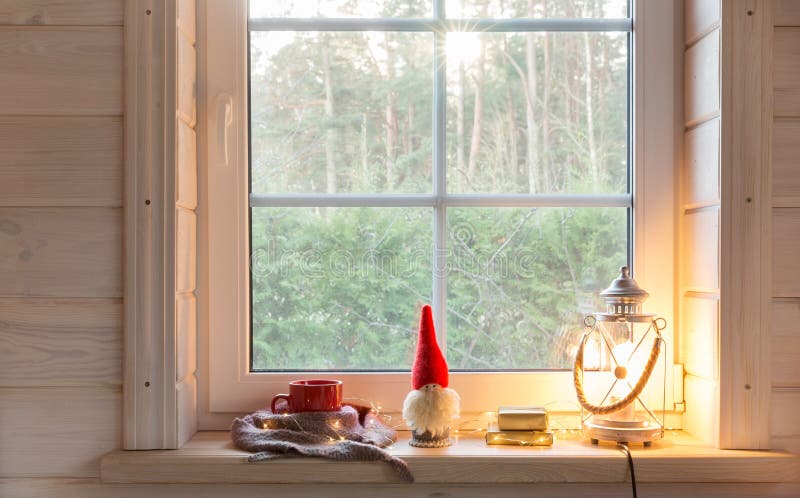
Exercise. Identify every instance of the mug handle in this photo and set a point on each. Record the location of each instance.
(285, 397)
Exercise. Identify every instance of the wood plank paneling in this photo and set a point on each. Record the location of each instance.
(786, 342)
(700, 17)
(787, 13)
(60, 145)
(60, 71)
(787, 58)
(185, 251)
(700, 224)
(785, 251)
(784, 404)
(783, 413)
(744, 381)
(701, 164)
(787, 102)
(701, 83)
(186, 325)
(57, 431)
(700, 336)
(186, 243)
(786, 162)
(701, 249)
(186, 167)
(61, 12)
(791, 444)
(60, 161)
(187, 81)
(786, 72)
(702, 408)
(187, 408)
(61, 252)
(60, 342)
(187, 18)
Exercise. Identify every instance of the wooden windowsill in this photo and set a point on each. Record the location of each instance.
(211, 458)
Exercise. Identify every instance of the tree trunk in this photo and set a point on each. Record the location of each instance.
(330, 131)
(409, 131)
(603, 83)
(530, 113)
(513, 159)
(364, 153)
(459, 89)
(477, 118)
(549, 176)
(391, 118)
(587, 50)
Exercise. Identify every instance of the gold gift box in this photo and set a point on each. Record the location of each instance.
(522, 418)
(519, 438)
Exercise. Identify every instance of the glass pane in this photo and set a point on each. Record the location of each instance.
(537, 112)
(521, 280)
(341, 112)
(552, 9)
(338, 288)
(339, 8)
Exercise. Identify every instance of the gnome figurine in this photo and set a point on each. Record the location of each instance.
(431, 407)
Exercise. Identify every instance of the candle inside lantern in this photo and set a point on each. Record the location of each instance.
(627, 372)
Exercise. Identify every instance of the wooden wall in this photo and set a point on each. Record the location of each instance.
(742, 112)
(60, 236)
(700, 218)
(785, 422)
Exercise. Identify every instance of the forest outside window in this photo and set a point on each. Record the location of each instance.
(536, 115)
(476, 155)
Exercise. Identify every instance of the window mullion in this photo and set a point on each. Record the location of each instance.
(439, 179)
(539, 200)
(432, 200)
(440, 24)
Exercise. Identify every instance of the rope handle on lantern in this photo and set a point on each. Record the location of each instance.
(577, 377)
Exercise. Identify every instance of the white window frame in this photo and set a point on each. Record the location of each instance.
(655, 133)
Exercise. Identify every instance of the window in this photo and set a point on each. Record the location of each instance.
(365, 157)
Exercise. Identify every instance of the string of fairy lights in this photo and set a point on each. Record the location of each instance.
(467, 427)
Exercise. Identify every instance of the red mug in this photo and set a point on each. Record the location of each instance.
(311, 396)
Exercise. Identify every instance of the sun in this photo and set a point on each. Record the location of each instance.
(462, 47)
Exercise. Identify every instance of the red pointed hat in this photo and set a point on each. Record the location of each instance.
(430, 366)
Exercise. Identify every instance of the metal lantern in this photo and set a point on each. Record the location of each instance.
(616, 370)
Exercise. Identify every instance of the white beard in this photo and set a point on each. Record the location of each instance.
(432, 409)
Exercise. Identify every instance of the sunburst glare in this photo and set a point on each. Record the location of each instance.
(463, 47)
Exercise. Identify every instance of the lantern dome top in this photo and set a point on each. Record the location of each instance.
(624, 291)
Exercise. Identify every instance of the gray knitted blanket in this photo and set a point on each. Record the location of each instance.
(351, 434)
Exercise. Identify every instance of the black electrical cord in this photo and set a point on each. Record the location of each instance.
(624, 447)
